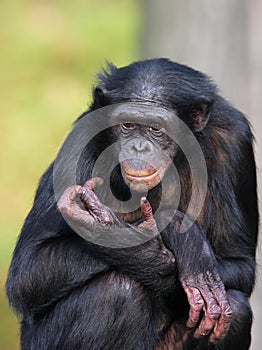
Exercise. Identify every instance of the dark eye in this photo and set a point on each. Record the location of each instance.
(156, 129)
(128, 126)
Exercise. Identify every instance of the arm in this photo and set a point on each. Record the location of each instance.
(231, 214)
(198, 272)
(47, 265)
(50, 260)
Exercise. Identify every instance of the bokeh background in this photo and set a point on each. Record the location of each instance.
(50, 53)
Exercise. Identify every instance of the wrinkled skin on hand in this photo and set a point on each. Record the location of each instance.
(206, 293)
(95, 212)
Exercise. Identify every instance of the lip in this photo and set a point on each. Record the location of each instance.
(141, 178)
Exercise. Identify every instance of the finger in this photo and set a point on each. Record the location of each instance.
(149, 223)
(69, 206)
(212, 313)
(68, 198)
(99, 211)
(223, 324)
(196, 303)
(146, 209)
(93, 182)
(93, 204)
(88, 196)
(71, 210)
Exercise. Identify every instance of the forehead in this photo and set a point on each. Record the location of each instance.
(140, 113)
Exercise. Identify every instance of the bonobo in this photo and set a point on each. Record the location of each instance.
(143, 231)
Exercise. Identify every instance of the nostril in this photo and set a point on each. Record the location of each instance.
(141, 146)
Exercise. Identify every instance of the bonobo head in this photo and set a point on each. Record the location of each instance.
(154, 95)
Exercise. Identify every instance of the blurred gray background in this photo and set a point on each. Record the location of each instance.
(223, 39)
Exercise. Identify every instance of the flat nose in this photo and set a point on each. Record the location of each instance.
(141, 146)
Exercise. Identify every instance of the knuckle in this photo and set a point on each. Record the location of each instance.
(107, 222)
(86, 194)
(62, 206)
(197, 304)
(215, 316)
(215, 312)
(198, 299)
(227, 311)
(106, 218)
(208, 329)
(65, 210)
(72, 190)
(149, 210)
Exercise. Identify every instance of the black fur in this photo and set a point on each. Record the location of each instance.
(69, 295)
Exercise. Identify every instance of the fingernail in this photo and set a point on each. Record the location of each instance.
(82, 193)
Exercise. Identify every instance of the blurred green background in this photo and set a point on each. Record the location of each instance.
(49, 55)
(50, 51)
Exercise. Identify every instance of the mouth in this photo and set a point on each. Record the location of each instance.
(142, 177)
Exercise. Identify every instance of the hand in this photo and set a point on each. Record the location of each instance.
(79, 204)
(206, 293)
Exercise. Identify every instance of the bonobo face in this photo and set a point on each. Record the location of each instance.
(145, 154)
(145, 150)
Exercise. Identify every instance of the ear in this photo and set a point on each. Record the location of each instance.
(201, 114)
(99, 95)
